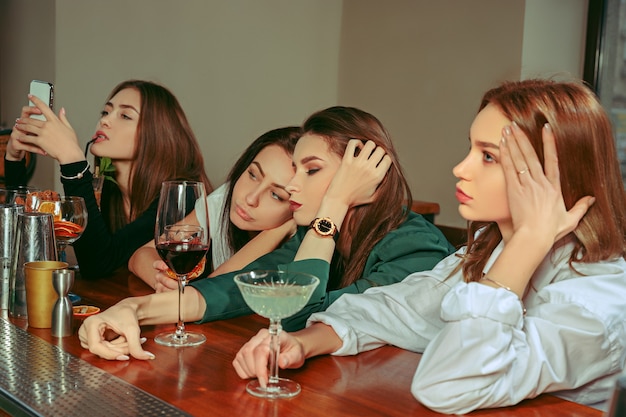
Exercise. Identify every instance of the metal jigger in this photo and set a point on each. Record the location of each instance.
(62, 312)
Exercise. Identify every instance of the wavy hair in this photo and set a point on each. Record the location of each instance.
(165, 149)
(366, 224)
(587, 161)
(285, 138)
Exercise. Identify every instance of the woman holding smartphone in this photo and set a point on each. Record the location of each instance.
(144, 131)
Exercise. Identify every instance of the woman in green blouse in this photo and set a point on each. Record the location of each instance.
(348, 198)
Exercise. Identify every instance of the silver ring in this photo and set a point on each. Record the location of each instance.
(525, 170)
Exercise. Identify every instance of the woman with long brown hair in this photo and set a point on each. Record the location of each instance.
(536, 302)
(144, 131)
(348, 198)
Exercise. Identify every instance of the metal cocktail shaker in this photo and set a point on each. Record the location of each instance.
(34, 241)
(8, 223)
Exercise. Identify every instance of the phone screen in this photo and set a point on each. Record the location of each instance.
(44, 91)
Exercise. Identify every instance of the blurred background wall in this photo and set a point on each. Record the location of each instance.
(241, 67)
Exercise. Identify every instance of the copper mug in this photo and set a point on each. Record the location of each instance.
(40, 292)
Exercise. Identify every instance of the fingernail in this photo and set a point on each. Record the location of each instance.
(150, 354)
(143, 340)
(122, 358)
(503, 141)
(547, 126)
(507, 130)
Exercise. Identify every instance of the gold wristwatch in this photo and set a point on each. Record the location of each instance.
(325, 227)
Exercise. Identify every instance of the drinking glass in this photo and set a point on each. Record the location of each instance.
(275, 295)
(70, 218)
(18, 194)
(182, 246)
(97, 182)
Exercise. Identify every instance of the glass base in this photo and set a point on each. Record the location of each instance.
(284, 388)
(187, 339)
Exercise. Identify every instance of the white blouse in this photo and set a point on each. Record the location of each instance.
(480, 351)
(220, 250)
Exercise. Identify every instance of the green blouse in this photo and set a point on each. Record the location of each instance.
(416, 245)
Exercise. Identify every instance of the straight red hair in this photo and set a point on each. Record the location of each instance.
(588, 166)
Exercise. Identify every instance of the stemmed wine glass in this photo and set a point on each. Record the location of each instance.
(70, 218)
(181, 245)
(275, 295)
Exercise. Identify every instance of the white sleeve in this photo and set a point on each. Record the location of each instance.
(490, 355)
(215, 204)
(406, 314)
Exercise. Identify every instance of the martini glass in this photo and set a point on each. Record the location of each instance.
(275, 295)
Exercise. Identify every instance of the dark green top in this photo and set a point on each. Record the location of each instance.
(416, 245)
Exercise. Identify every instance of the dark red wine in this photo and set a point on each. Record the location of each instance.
(181, 257)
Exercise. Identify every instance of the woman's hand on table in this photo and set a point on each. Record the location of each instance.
(114, 334)
(252, 359)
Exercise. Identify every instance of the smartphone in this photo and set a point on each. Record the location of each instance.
(44, 91)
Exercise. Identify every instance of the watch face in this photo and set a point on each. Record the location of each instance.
(325, 226)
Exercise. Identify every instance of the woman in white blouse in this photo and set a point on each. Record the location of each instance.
(536, 301)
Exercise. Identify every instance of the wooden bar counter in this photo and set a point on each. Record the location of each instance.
(202, 382)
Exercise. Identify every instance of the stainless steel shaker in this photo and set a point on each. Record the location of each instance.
(8, 223)
(34, 241)
(62, 312)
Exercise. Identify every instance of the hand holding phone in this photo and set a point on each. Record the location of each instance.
(45, 92)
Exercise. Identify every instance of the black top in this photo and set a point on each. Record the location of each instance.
(98, 251)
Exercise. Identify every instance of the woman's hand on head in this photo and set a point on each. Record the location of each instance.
(162, 281)
(252, 359)
(359, 175)
(535, 197)
(114, 334)
(53, 136)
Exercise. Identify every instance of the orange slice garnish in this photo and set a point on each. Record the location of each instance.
(49, 207)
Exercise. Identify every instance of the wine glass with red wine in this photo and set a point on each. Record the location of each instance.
(182, 244)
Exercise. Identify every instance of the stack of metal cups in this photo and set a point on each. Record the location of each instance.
(8, 225)
(34, 241)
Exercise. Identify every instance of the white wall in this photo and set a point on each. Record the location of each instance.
(554, 38)
(241, 67)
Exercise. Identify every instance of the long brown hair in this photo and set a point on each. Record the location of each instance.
(588, 165)
(166, 149)
(367, 224)
(286, 139)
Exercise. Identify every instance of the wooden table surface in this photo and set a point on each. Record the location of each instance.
(201, 380)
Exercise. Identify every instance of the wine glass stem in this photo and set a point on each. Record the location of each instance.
(275, 329)
(180, 326)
